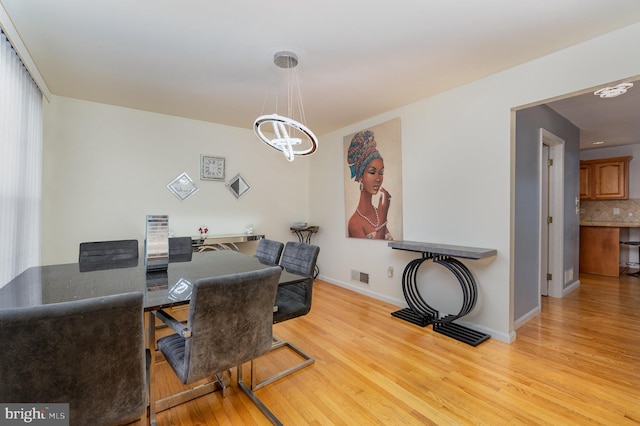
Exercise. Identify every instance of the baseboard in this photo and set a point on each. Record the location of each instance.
(571, 287)
(517, 323)
(503, 337)
(367, 292)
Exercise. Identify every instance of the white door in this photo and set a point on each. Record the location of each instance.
(551, 228)
(545, 163)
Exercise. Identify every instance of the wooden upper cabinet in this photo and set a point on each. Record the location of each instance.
(605, 179)
(586, 181)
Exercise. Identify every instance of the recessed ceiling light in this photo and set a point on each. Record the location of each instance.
(597, 143)
(612, 92)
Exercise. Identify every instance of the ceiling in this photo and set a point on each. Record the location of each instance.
(613, 121)
(213, 60)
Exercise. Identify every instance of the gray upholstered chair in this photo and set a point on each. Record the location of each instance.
(269, 251)
(108, 255)
(88, 353)
(229, 323)
(294, 300)
(180, 249)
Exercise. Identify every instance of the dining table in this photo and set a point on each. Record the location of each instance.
(162, 289)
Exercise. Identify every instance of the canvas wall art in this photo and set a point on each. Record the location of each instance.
(373, 182)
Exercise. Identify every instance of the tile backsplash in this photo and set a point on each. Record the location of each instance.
(604, 211)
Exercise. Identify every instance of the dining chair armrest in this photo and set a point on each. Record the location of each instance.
(174, 324)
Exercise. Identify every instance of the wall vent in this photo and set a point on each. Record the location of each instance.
(360, 276)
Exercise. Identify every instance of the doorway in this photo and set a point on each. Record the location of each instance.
(551, 215)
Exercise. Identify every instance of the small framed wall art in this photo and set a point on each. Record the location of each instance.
(238, 186)
(182, 187)
(212, 168)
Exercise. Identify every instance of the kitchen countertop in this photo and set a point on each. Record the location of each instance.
(612, 224)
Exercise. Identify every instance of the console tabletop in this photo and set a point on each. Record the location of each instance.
(445, 249)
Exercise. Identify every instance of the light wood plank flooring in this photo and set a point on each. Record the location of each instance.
(578, 363)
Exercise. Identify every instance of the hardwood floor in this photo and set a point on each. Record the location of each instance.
(577, 363)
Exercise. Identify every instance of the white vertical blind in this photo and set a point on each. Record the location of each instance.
(20, 165)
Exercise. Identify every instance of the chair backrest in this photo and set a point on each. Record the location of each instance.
(88, 353)
(269, 251)
(230, 318)
(300, 258)
(180, 249)
(294, 300)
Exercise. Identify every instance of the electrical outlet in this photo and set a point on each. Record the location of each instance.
(390, 271)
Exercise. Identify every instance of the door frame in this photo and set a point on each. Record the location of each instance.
(555, 243)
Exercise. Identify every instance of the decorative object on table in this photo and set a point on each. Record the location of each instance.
(238, 186)
(373, 175)
(287, 132)
(212, 168)
(248, 229)
(204, 231)
(182, 187)
(156, 247)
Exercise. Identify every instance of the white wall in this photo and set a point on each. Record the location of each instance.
(105, 168)
(457, 175)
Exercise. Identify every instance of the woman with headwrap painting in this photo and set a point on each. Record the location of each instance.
(367, 167)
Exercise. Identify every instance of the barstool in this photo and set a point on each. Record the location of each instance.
(632, 244)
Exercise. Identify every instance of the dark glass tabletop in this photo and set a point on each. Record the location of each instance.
(73, 281)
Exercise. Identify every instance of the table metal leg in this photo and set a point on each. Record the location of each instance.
(422, 314)
(151, 345)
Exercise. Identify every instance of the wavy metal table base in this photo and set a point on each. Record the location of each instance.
(420, 312)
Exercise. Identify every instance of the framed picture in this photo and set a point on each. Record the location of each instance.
(212, 168)
(238, 186)
(182, 187)
(372, 177)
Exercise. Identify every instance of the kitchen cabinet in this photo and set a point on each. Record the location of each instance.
(605, 179)
(600, 250)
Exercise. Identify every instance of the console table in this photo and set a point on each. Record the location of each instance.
(304, 233)
(222, 242)
(419, 311)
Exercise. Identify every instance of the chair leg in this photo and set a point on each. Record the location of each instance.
(247, 390)
(278, 343)
(223, 385)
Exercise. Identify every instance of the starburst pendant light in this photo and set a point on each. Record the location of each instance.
(284, 133)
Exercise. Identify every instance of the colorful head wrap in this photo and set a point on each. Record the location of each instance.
(361, 151)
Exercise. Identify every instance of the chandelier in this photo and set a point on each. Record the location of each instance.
(612, 92)
(284, 133)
